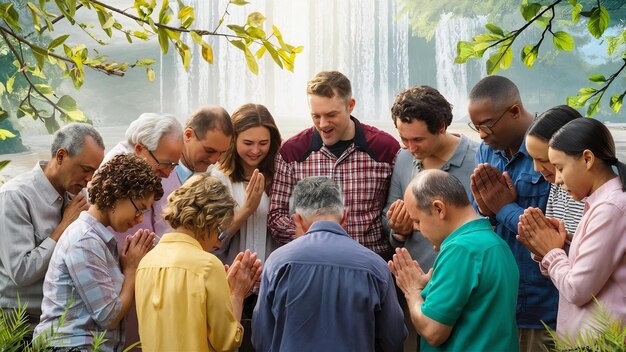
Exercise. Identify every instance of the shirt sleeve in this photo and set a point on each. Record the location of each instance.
(450, 288)
(395, 193)
(509, 216)
(87, 266)
(24, 262)
(225, 333)
(599, 253)
(280, 224)
(390, 328)
(263, 321)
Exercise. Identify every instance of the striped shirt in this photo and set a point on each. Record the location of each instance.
(363, 172)
(563, 207)
(85, 279)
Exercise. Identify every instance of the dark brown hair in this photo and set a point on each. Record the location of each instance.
(422, 103)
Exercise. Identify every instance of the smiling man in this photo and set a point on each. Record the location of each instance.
(356, 156)
(36, 208)
(503, 185)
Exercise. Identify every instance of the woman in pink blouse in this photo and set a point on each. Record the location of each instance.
(583, 153)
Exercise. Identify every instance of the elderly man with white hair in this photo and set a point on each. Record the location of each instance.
(324, 291)
(158, 138)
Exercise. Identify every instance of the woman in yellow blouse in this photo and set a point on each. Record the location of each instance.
(186, 301)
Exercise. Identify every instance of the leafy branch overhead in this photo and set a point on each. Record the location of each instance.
(40, 52)
(498, 43)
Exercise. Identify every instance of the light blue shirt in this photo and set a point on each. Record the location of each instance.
(326, 292)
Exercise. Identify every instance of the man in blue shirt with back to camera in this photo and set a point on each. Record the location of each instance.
(503, 185)
(324, 291)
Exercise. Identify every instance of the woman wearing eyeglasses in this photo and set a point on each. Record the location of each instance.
(186, 301)
(89, 287)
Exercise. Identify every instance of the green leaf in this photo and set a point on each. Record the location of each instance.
(278, 36)
(166, 13)
(57, 41)
(486, 37)
(10, 16)
(164, 40)
(493, 64)
(2, 90)
(529, 55)
(207, 53)
(9, 83)
(4, 134)
(587, 91)
(238, 2)
(186, 16)
(4, 163)
(253, 66)
(141, 35)
(151, 74)
(494, 29)
(185, 53)
(598, 22)
(597, 78)
(144, 62)
(464, 51)
(52, 125)
(273, 53)
(109, 23)
(563, 41)
(594, 107)
(197, 38)
(66, 102)
(256, 32)
(74, 116)
(616, 102)
(507, 58)
(255, 19)
(35, 13)
(529, 10)
(576, 10)
(44, 89)
(259, 53)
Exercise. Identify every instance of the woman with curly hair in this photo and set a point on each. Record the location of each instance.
(86, 291)
(247, 169)
(186, 301)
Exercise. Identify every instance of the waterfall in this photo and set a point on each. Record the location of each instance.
(452, 78)
(364, 39)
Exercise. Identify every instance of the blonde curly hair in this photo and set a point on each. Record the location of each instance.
(201, 204)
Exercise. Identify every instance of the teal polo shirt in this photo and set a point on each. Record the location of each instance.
(474, 290)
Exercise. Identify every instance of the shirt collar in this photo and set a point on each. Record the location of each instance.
(183, 172)
(481, 224)
(459, 154)
(603, 192)
(104, 233)
(522, 150)
(43, 185)
(327, 226)
(173, 237)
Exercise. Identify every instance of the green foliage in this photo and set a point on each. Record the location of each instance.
(497, 42)
(606, 334)
(40, 51)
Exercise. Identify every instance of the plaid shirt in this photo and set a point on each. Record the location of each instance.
(362, 172)
(84, 277)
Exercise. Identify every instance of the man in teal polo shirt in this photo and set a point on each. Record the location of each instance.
(467, 301)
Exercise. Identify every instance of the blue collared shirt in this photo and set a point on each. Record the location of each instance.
(537, 300)
(326, 292)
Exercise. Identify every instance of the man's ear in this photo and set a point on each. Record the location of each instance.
(439, 207)
(61, 155)
(301, 225)
(188, 133)
(344, 219)
(138, 148)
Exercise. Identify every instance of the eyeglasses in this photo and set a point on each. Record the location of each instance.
(162, 165)
(222, 234)
(487, 128)
(138, 212)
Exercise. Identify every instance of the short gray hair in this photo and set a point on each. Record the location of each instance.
(149, 128)
(431, 185)
(315, 196)
(72, 138)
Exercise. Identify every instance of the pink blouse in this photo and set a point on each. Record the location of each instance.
(596, 266)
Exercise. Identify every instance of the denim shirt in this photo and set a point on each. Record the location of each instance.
(537, 299)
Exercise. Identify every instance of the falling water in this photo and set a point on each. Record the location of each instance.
(364, 39)
(452, 78)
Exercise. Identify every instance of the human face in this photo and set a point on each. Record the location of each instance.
(75, 172)
(427, 224)
(165, 157)
(129, 212)
(493, 124)
(538, 150)
(571, 173)
(252, 146)
(198, 154)
(417, 139)
(331, 118)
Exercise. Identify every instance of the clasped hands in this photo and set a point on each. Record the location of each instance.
(243, 273)
(399, 220)
(409, 274)
(540, 234)
(491, 189)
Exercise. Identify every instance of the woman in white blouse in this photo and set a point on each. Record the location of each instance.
(247, 169)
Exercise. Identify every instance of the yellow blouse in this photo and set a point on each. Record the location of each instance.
(183, 299)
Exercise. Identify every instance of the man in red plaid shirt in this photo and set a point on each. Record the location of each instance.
(358, 157)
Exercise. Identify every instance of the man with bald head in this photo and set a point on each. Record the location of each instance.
(466, 302)
(503, 185)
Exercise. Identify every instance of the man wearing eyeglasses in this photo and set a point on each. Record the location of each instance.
(504, 184)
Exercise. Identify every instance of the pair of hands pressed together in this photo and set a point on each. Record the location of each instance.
(540, 234)
(491, 189)
(135, 248)
(399, 220)
(243, 273)
(409, 275)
